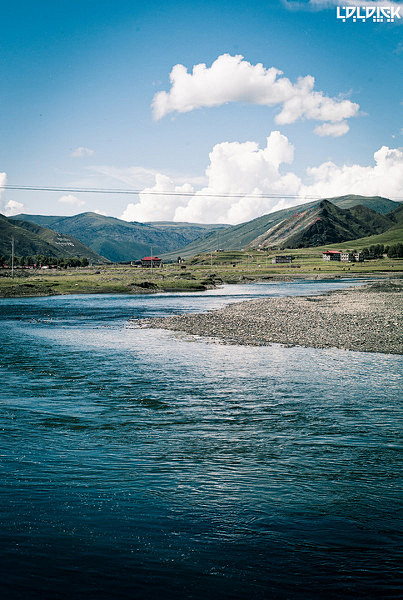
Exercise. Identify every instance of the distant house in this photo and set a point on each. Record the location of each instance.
(331, 255)
(282, 259)
(351, 257)
(347, 257)
(151, 261)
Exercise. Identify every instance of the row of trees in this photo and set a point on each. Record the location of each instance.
(379, 250)
(374, 251)
(40, 260)
(395, 251)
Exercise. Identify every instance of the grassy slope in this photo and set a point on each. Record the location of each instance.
(31, 239)
(381, 205)
(392, 236)
(325, 223)
(44, 220)
(26, 242)
(56, 239)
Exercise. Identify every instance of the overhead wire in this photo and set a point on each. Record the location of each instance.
(83, 190)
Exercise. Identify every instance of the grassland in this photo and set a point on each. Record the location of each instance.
(200, 273)
(307, 261)
(105, 280)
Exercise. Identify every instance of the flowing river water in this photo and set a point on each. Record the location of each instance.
(149, 464)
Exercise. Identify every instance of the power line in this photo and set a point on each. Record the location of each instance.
(151, 193)
(77, 190)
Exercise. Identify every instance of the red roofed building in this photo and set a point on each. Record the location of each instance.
(151, 261)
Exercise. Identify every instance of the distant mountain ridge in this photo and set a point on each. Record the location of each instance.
(31, 239)
(119, 240)
(324, 223)
(240, 236)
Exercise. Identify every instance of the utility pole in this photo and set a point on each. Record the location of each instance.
(211, 260)
(12, 256)
(151, 256)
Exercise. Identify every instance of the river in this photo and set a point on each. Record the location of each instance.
(149, 464)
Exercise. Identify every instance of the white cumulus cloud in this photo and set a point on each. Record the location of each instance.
(12, 207)
(70, 199)
(244, 172)
(82, 152)
(246, 181)
(384, 178)
(332, 129)
(156, 207)
(233, 79)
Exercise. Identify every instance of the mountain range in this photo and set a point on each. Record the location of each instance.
(119, 240)
(103, 239)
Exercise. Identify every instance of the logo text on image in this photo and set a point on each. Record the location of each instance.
(378, 14)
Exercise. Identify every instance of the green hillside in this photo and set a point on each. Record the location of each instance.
(381, 205)
(324, 223)
(120, 240)
(240, 236)
(394, 235)
(44, 220)
(31, 239)
(397, 214)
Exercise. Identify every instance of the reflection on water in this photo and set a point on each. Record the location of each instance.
(148, 464)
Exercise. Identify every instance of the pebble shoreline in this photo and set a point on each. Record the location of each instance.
(365, 319)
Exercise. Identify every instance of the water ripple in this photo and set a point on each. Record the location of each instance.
(137, 464)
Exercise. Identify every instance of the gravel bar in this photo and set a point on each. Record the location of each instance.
(365, 319)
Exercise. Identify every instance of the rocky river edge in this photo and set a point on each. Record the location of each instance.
(364, 319)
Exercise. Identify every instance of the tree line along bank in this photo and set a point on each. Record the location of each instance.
(41, 261)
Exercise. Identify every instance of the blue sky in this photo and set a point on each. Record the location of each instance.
(79, 79)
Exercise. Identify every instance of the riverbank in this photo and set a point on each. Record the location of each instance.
(105, 280)
(121, 279)
(365, 319)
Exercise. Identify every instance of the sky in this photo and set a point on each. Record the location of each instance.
(203, 111)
